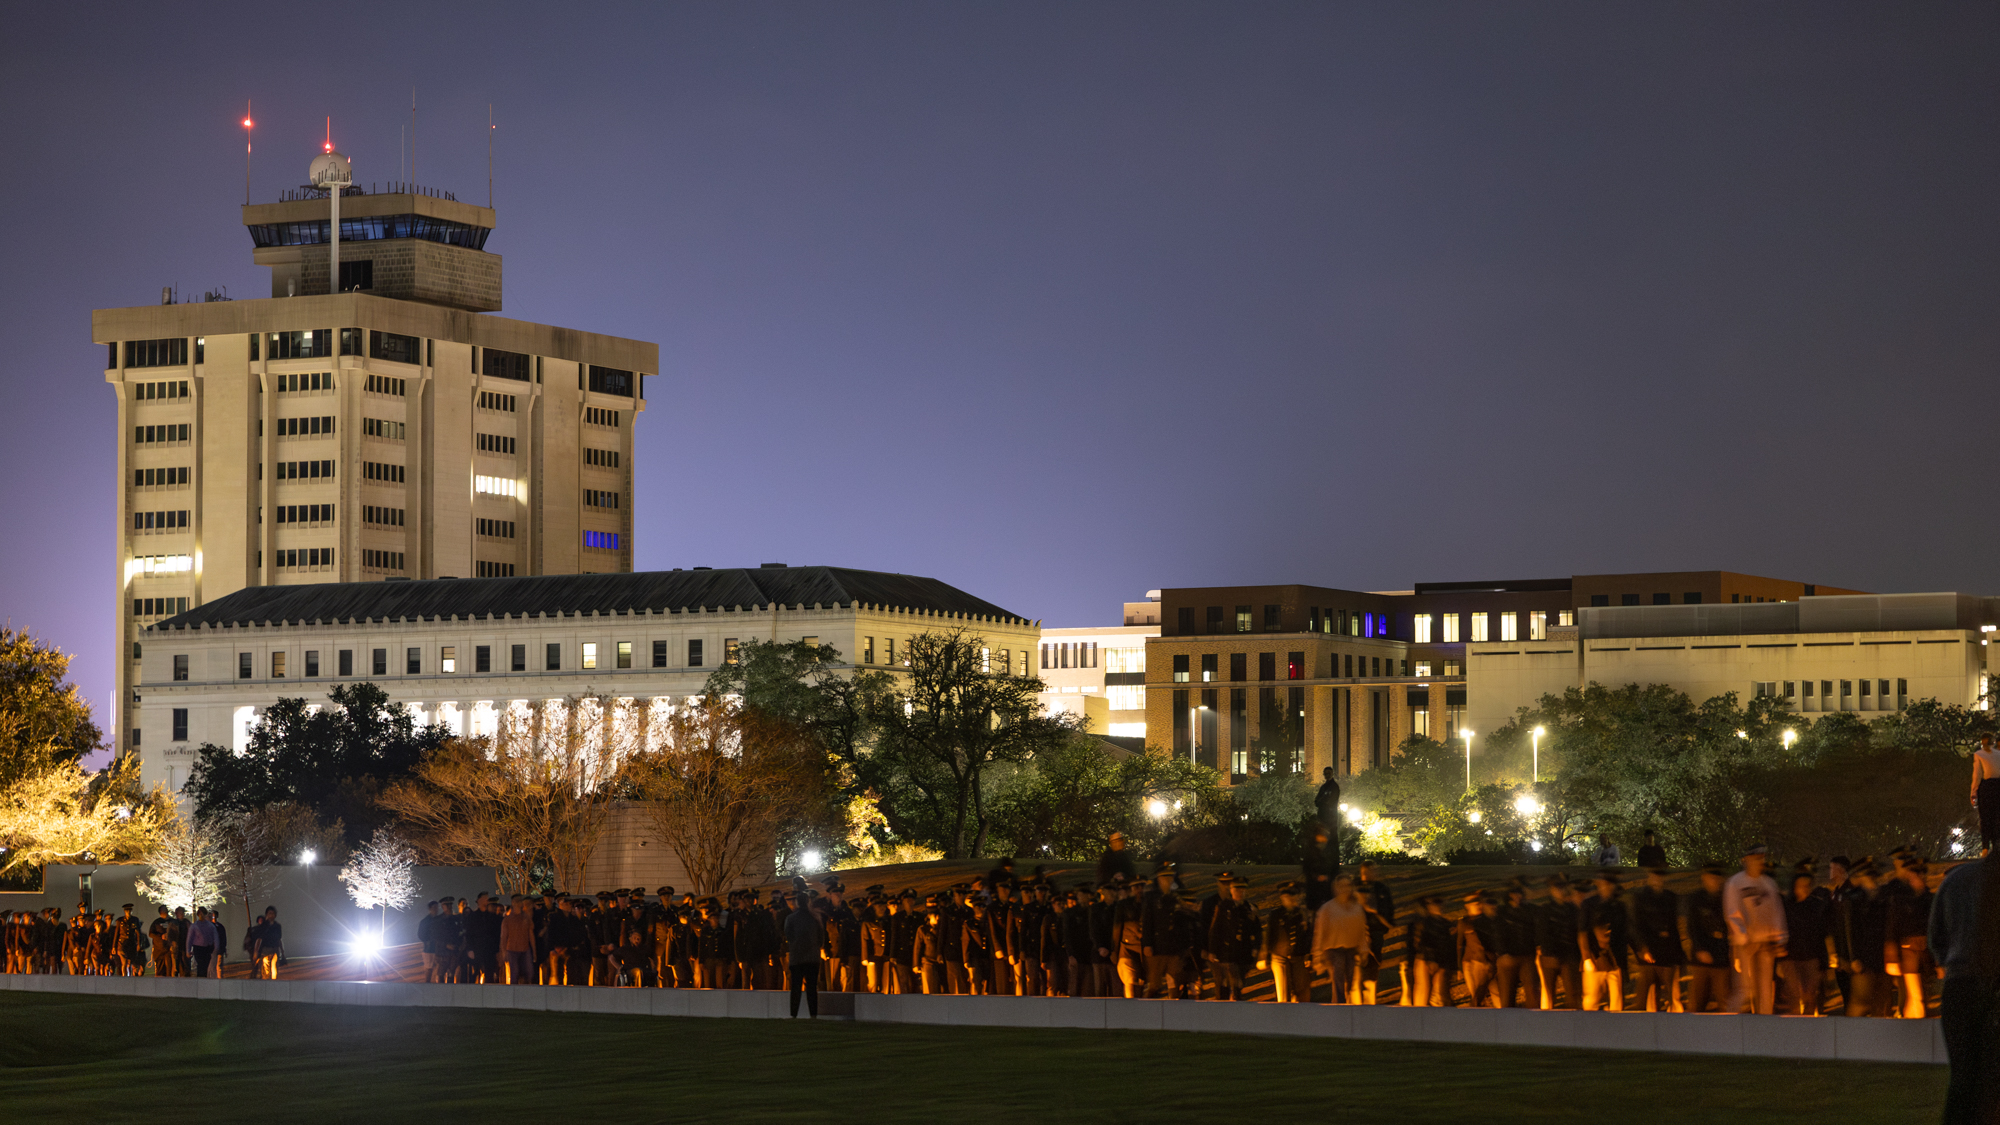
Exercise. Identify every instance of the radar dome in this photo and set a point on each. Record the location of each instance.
(330, 168)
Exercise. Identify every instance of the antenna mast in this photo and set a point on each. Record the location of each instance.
(413, 135)
(246, 152)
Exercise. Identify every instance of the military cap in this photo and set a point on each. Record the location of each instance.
(875, 890)
(665, 891)
(1290, 887)
(127, 906)
(1224, 878)
(752, 893)
(908, 892)
(1756, 849)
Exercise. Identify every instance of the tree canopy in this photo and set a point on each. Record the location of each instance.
(44, 720)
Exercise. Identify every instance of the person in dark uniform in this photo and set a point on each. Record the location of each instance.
(1478, 937)
(952, 916)
(1164, 938)
(1287, 945)
(1651, 854)
(1104, 940)
(843, 938)
(1115, 862)
(1516, 981)
(1657, 956)
(1802, 963)
(978, 950)
(1235, 937)
(1557, 949)
(129, 942)
(1317, 868)
(1380, 904)
(930, 950)
(1708, 944)
(1434, 943)
(902, 923)
(1607, 939)
(804, 938)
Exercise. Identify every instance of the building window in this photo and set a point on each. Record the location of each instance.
(384, 429)
(1510, 629)
(600, 498)
(1295, 665)
(494, 443)
(602, 458)
(1566, 618)
(1479, 627)
(1242, 618)
(1208, 669)
(312, 664)
(385, 517)
(868, 650)
(659, 654)
(1628, 599)
(1807, 685)
(1180, 669)
(601, 540)
(1420, 629)
(1239, 667)
(599, 417)
(552, 658)
(1663, 599)
(180, 666)
(395, 348)
(180, 724)
(890, 644)
(610, 381)
(277, 665)
(381, 471)
(1452, 668)
(624, 654)
(1007, 662)
(694, 653)
(589, 655)
(1350, 665)
(1213, 619)
(1600, 600)
(243, 665)
(158, 478)
(379, 662)
(413, 661)
(1791, 689)
(346, 659)
(1450, 623)
(729, 650)
(382, 385)
(482, 658)
(488, 400)
(1692, 597)
(1420, 723)
(1538, 625)
(381, 560)
(1267, 665)
(498, 364)
(157, 353)
(517, 658)
(1273, 618)
(1239, 733)
(448, 658)
(1423, 668)
(494, 569)
(1184, 621)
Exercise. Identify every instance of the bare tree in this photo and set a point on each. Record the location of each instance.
(381, 874)
(533, 798)
(245, 840)
(719, 782)
(187, 868)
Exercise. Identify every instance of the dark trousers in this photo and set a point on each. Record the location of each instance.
(806, 975)
(520, 967)
(1705, 983)
(1514, 977)
(1989, 811)
(1962, 1017)
(1655, 987)
(201, 955)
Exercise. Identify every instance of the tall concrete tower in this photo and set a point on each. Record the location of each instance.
(374, 423)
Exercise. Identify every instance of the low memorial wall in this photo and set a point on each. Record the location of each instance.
(1778, 1037)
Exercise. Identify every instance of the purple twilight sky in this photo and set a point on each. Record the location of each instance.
(1059, 302)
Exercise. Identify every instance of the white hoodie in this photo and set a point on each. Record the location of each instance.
(1754, 910)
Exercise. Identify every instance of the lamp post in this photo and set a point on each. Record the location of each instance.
(1789, 737)
(1536, 738)
(1467, 736)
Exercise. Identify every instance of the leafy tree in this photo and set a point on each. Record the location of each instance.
(947, 723)
(44, 720)
(62, 814)
(1929, 725)
(1281, 739)
(1067, 801)
(1277, 798)
(334, 761)
(1423, 774)
(721, 781)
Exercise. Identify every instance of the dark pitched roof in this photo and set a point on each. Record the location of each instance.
(661, 591)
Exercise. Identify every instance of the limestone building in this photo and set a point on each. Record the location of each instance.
(391, 428)
(461, 652)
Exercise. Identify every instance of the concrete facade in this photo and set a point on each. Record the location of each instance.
(1098, 673)
(319, 436)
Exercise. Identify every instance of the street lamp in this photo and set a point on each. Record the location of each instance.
(1157, 808)
(1537, 740)
(1467, 736)
(1789, 737)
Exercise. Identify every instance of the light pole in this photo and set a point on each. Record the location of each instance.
(1537, 739)
(1467, 736)
(1789, 737)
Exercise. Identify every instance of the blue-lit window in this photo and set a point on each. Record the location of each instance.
(371, 228)
(602, 540)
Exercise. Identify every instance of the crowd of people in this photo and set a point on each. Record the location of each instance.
(98, 944)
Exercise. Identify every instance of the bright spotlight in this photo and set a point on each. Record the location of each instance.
(1535, 845)
(1157, 808)
(1473, 816)
(1526, 805)
(810, 861)
(308, 857)
(367, 943)
(1353, 815)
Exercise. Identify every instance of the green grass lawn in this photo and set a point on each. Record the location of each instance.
(85, 1058)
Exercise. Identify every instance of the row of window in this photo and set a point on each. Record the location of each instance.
(171, 352)
(156, 521)
(1794, 689)
(601, 540)
(369, 228)
(610, 381)
(602, 458)
(503, 365)
(386, 517)
(304, 381)
(494, 443)
(299, 470)
(496, 486)
(1332, 621)
(1071, 654)
(309, 344)
(495, 569)
(155, 478)
(496, 529)
(1452, 628)
(597, 498)
(381, 560)
(303, 513)
(395, 348)
(162, 564)
(597, 416)
(385, 385)
(304, 427)
(490, 400)
(148, 435)
(1295, 666)
(382, 428)
(313, 557)
(146, 392)
(158, 607)
(378, 470)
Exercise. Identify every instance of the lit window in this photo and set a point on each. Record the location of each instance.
(1538, 625)
(1450, 628)
(590, 654)
(1126, 697)
(1421, 631)
(601, 540)
(448, 658)
(1510, 629)
(1479, 627)
(624, 654)
(729, 650)
(1451, 668)
(1566, 618)
(1423, 668)
(497, 486)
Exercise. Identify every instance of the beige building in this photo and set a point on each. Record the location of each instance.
(392, 429)
(462, 652)
(1866, 654)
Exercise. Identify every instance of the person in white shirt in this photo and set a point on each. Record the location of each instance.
(1756, 917)
(1340, 938)
(1607, 854)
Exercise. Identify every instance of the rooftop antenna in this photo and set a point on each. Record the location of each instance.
(413, 137)
(246, 152)
(489, 156)
(334, 172)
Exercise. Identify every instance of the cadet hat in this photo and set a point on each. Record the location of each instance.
(874, 890)
(1712, 869)
(1757, 849)
(127, 906)
(1225, 877)
(665, 891)
(1290, 887)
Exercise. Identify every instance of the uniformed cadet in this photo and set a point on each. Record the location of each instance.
(1287, 944)
(1234, 937)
